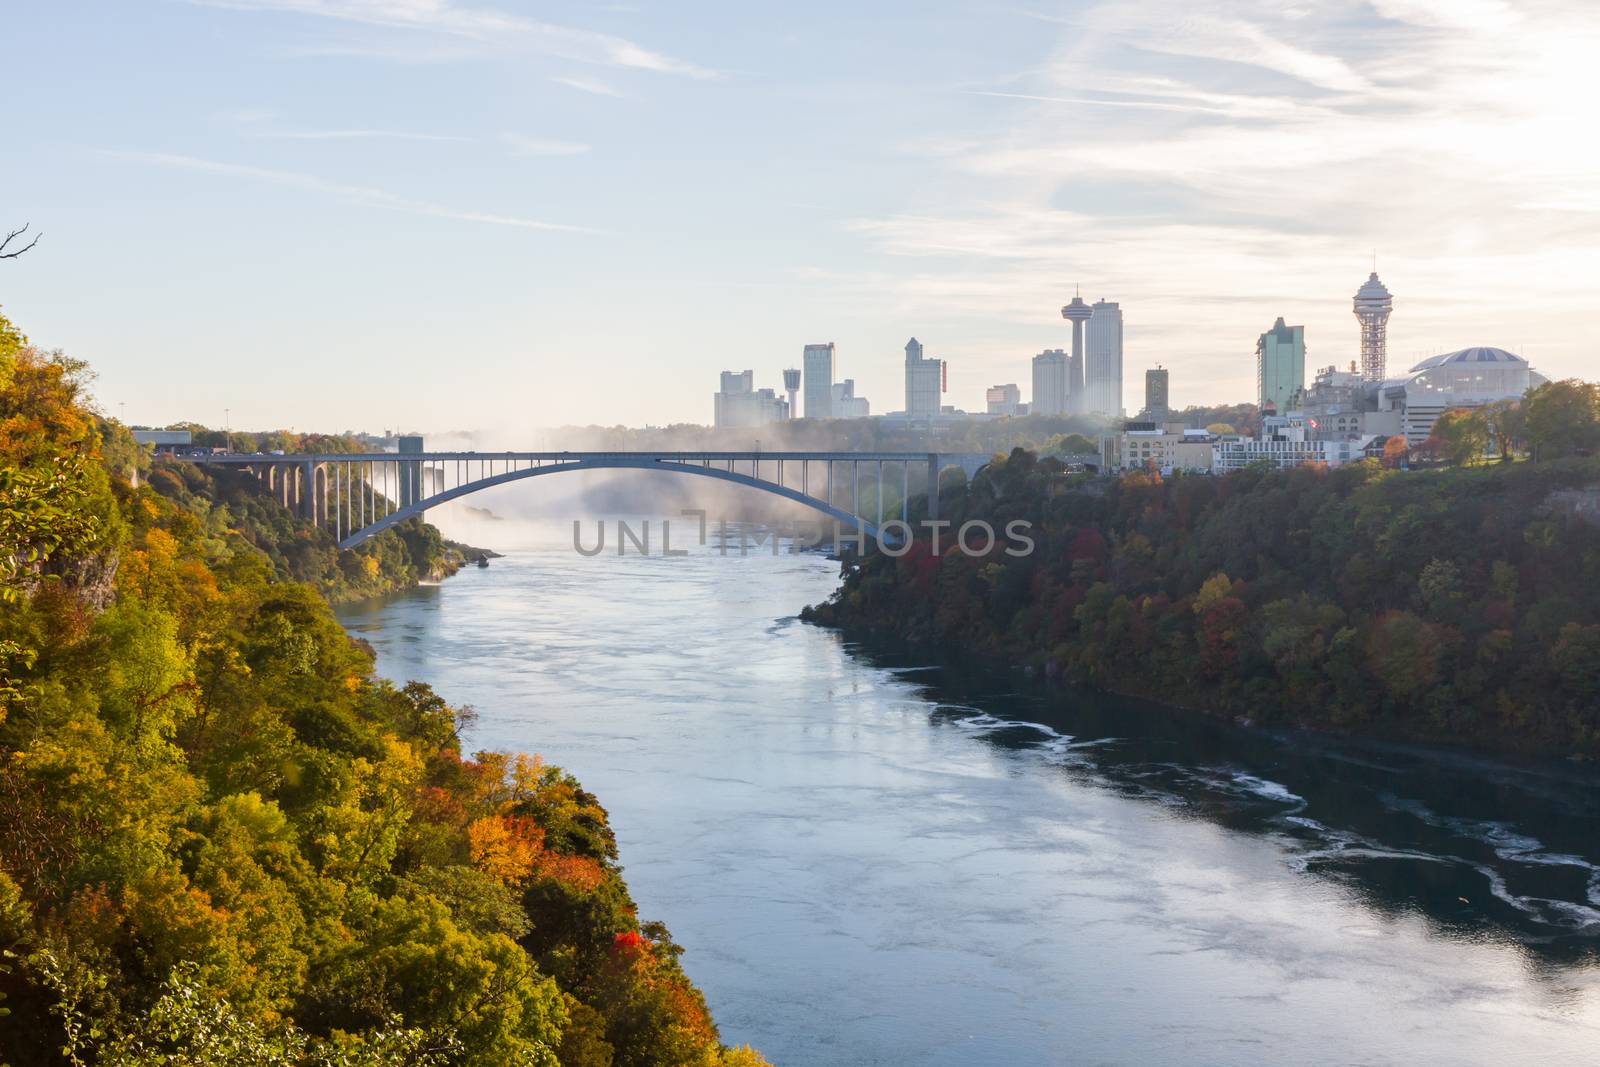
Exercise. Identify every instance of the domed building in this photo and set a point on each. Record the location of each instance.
(1340, 406)
(1469, 378)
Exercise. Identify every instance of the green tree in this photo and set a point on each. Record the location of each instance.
(1563, 418)
(1507, 425)
(1463, 436)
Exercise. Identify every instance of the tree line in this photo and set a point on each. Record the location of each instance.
(228, 843)
(1455, 604)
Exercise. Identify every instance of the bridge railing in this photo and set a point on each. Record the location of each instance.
(355, 495)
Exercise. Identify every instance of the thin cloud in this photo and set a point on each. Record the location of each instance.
(589, 85)
(1185, 157)
(1150, 105)
(365, 196)
(358, 135)
(538, 146)
(487, 28)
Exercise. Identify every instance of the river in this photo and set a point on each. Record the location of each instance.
(872, 861)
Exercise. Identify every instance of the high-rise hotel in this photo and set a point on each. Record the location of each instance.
(1102, 360)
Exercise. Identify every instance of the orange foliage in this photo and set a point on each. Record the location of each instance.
(505, 846)
(575, 872)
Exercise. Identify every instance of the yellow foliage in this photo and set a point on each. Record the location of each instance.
(1216, 587)
(503, 847)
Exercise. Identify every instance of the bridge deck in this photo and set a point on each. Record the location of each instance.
(553, 457)
(359, 494)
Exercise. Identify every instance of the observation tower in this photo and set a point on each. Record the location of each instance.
(1077, 313)
(1372, 307)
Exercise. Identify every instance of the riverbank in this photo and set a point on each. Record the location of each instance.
(229, 840)
(1436, 607)
(231, 504)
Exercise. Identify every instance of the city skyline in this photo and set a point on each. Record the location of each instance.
(400, 202)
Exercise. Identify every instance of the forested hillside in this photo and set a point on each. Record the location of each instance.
(225, 842)
(231, 503)
(1456, 605)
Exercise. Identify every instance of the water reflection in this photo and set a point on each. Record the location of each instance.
(1484, 849)
(871, 862)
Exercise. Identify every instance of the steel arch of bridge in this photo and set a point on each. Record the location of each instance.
(359, 495)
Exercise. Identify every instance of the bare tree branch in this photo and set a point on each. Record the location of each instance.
(13, 235)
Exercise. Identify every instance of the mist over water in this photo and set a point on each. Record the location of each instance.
(871, 861)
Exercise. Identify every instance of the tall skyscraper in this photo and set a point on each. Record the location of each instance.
(818, 364)
(1372, 307)
(1077, 313)
(1281, 366)
(1102, 360)
(1155, 393)
(791, 382)
(1050, 378)
(925, 381)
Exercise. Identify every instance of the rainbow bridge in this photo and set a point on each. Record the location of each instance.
(355, 496)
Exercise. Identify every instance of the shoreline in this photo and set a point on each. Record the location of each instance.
(1028, 682)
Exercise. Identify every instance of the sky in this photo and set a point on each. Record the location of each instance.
(500, 215)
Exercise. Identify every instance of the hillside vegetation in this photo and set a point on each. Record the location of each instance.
(1455, 605)
(226, 842)
(232, 503)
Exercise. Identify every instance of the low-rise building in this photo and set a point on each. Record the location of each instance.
(1003, 399)
(1340, 406)
(1151, 446)
(846, 405)
(164, 440)
(1285, 441)
(738, 404)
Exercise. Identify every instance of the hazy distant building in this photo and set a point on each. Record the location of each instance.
(164, 440)
(410, 472)
(1372, 307)
(791, 383)
(1335, 407)
(1155, 393)
(846, 405)
(1284, 441)
(740, 404)
(925, 381)
(1469, 378)
(1102, 355)
(1003, 399)
(1149, 446)
(1077, 313)
(1281, 367)
(819, 371)
(1050, 378)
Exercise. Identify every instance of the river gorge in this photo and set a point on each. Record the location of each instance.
(878, 861)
